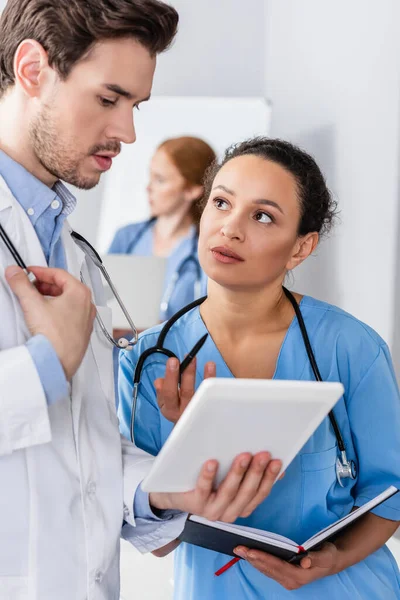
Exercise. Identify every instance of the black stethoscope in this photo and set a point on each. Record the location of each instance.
(345, 469)
(191, 258)
(16, 255)
(90, 252)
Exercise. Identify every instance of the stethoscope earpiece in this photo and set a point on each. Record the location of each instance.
(124, 344)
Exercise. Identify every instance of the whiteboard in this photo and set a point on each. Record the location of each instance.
(219, 121)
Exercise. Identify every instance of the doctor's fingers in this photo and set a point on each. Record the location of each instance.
(265, 479)
(56, 281)
(226, 493)
(22, 287)
(254, 488)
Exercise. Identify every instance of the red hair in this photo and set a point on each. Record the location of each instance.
(192, 157)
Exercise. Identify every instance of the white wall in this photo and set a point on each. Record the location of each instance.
(218, 50)
(333, 75)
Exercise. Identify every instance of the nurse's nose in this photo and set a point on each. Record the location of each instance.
(232, 228)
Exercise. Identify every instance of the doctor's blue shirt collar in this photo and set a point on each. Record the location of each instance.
(31, 193)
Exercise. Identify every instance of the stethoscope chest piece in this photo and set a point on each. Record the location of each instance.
(345, 470)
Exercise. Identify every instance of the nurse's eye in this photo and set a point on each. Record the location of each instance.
(106, 102)
(263, 217)
(220, 204)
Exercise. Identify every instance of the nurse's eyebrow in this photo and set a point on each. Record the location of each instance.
(113, 87)
(261, 201)
(268, 203)
(227, 190)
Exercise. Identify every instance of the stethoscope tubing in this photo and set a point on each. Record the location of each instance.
(344, 466)
(159, 347)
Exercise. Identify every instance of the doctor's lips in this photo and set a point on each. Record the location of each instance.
(104, 159)
(225, 255)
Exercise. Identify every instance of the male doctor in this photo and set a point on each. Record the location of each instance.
(71, 73)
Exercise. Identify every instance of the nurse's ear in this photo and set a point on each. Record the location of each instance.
(193, 192)
(302, 249)
(31, 68)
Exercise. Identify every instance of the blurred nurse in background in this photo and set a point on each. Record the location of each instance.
(176, 185)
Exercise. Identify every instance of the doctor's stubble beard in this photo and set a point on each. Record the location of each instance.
(59, 156)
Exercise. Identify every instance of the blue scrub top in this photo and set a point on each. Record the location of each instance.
(137, 238)
(309, 497)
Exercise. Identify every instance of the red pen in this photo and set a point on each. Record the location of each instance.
(227, 566)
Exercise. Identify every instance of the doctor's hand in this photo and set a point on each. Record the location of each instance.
(314, 566)
(65, 318)
(247, 484)
(173, 398)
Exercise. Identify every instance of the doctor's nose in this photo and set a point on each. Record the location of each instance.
(123, 129)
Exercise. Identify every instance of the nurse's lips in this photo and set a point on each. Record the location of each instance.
(225, 255)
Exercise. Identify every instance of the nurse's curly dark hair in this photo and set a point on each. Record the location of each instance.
(318, 208)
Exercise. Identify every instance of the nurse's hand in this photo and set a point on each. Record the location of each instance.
(247, 484)
(59, 307)
(314, 566)
(173, 398)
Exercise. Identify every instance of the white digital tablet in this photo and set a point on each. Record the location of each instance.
(228, 416)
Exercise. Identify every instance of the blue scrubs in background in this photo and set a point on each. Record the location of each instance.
(309, 497)
(137, 238)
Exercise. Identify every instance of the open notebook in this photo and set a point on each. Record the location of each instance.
(224, 537)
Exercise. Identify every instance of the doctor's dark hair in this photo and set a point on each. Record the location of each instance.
(317, 207)
(68, 29)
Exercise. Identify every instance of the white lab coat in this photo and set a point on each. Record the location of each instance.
(66, 487)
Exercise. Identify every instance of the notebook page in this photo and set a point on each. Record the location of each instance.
(324, 533)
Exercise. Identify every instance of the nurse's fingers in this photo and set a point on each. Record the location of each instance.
(210, 370)
(321, 559)
(188, 381)
(289, 576)
(167, 391)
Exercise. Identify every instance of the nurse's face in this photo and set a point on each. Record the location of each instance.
(78, 124)
(167, 187)
(248, 230)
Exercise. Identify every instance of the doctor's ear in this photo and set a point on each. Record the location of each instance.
(303, 248)
(193, 192)
(30, 65)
